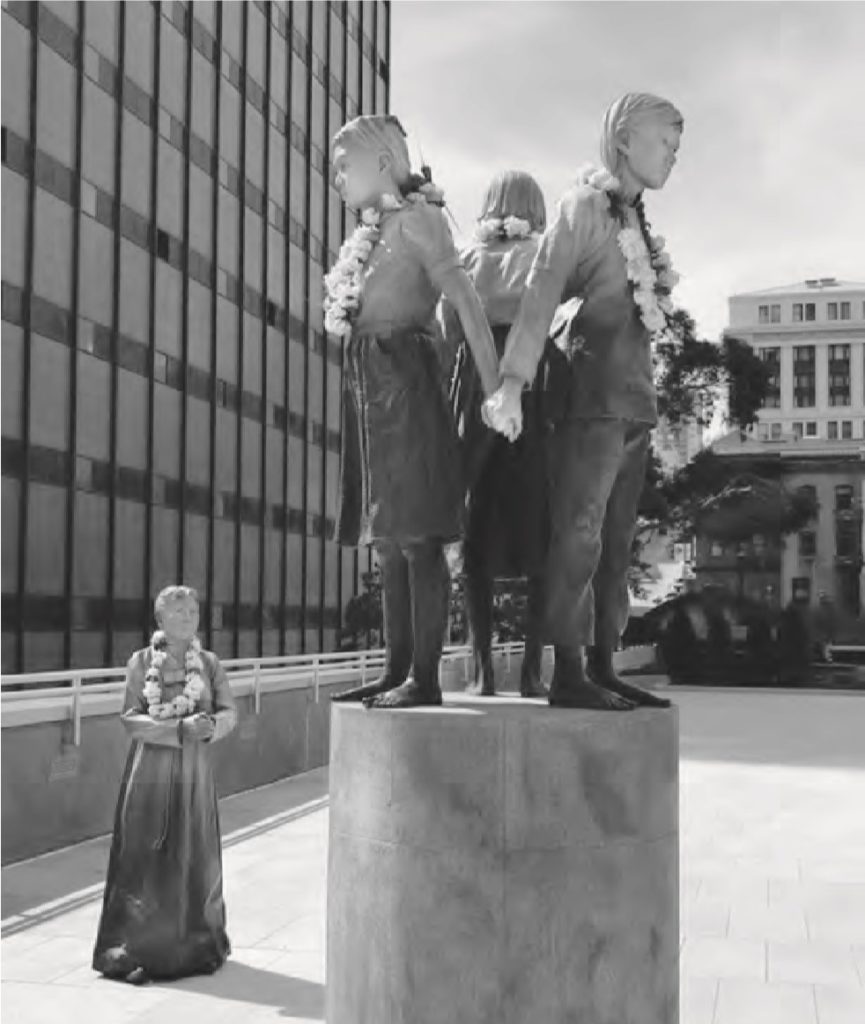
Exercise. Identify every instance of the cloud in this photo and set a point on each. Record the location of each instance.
(768, 187)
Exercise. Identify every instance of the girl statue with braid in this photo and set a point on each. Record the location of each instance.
(599, 249)
(506, 514)
(401, 482)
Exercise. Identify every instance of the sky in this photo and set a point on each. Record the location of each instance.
(770, 184)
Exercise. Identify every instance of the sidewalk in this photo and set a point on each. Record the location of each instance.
(773, 886)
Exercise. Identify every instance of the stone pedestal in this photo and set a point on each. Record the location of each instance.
(497, 861)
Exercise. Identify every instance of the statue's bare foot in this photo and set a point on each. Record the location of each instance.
(359, 693)
(588, 696)
(531, 686)
(409, 695)
(484, 684)
(636, 694)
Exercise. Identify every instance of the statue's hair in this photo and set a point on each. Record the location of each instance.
(624, 114)
(168, 595)
(382, 133)
(515, 194)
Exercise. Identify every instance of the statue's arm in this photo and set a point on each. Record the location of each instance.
(560, 248)
(427, 233)
(224, 706)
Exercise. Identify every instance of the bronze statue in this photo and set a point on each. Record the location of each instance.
(599, 248)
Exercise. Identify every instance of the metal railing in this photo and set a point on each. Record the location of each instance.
(281, 671)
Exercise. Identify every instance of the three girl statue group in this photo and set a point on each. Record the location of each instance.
(536, 459)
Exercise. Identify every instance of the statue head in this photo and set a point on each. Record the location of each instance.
(640, 139)
(176, 611)
(514, 194)
(370, 159)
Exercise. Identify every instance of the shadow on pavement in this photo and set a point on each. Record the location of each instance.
(293, 997)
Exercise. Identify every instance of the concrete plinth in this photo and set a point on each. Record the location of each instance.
(496, 861)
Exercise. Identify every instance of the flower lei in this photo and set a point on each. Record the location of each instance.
(649, 267)
(344, 284)
(502, 228)
(184, 703)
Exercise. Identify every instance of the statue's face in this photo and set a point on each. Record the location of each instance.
(179, 620)
(650, 151)
(358, 175)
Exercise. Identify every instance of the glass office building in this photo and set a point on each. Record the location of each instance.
(171, 406)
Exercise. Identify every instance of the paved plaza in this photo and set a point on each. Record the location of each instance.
(773, 886)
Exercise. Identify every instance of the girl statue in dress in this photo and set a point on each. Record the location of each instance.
(401, 482)
(163, 914)
(506, 519)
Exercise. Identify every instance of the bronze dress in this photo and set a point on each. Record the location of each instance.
(163, 909)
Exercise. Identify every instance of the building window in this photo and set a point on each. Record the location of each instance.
(844, 498)
(810, 430)
(763, 314)
(839, 375)
(832, 311)
(807, 544)
(764, 431)
(845, 310)
(776, 431)
(847, 430)
(775, 314)
(797, 313)
(804, 378)
(846, 540)
(810, 311)
(801, 589)
(772, 358)
(797, 431)
(832, 430)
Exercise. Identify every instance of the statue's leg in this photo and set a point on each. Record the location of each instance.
(396, 602)
(530, 675)
(430, 591)
(584, 457)
(479, 603)
(610, 583)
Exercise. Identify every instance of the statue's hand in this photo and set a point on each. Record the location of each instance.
(503, 410)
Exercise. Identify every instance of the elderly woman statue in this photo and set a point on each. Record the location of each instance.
(599, 249)
(163, 915)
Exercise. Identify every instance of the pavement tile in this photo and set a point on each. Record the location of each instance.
(705, 957)
(837, 1005)
(697, 997)
(752, 1002)
(705, 918)
(781, 923)
(812, 963)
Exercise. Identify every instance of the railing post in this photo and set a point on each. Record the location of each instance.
(315, 677)
(510, 645)
(256, 683)
(363, 668)
(76, 710)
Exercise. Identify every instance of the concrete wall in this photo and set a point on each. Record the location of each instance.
(55, 794)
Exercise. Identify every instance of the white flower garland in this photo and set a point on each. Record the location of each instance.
(650, 272)
(184, 703)
(344, 283)
(502, 228)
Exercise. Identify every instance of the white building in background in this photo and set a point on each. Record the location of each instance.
(812, 335)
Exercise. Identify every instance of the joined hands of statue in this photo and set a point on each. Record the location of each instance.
(199, 727)
(503, 410)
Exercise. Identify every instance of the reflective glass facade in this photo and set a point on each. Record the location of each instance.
(171, 405)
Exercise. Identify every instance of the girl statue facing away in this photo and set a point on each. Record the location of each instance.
(163, 914)
(401, 486)
(506, 483)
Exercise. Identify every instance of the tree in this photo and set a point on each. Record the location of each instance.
(691, 376)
